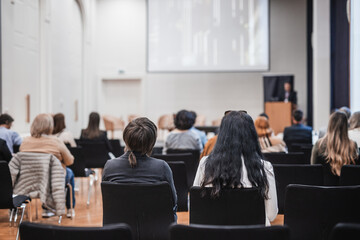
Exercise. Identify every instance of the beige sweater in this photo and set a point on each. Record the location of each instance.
(48, 144)
(39, 175)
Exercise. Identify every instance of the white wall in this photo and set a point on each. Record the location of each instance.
(355, 56)
(121, 45)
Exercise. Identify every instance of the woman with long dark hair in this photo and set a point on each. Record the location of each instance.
(60, 130)
(335, 149)
(93, 132)
(236, 162)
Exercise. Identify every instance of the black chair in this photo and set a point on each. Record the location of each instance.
(36, 231)
(79, 168)
(306, 148)
(190, 164)
(350, 175)
(312, 211)
(345, 231)
(5, 154)
(147, 208)
(157, 150)
(179, 174)
(96, 153)
(7, 201)
(117, 149)
(211, 232)
(239, 206)
(286, 174)
(286, 158)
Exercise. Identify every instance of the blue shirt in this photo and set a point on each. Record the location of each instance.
(201, 135)
(12, 138)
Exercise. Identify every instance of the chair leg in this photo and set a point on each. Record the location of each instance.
(36, 208)
(30, 212)
(11, 217)
(89, 190)
(60, 218)
(71, 200)
(15, 217)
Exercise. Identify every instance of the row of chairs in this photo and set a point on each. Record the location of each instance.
(33, 231)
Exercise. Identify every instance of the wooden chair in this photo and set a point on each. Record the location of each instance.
(200, 120)
(113, 123)
(165, 124)
(132, 117)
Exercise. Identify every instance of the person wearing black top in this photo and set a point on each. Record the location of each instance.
(289, 95)
(93, 132)
(297, 133)
(5, 154)
(135, 165)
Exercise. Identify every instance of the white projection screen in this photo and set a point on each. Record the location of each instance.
(208, 35)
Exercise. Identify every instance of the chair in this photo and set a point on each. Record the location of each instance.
(157, 150)
(238, 206)
(132, 117)
(345, 231)
(211, 232)
(96, 153)
(187, 158)
(191, 165)
(80, 170)
(200, 120)
(182, 190)
(306, 148)
(286, 158)
(113, 123)
(36, 231)
(7, 200)
(312, 211)
(147, 208)
(350, 175)
(286, 174)
(165, 124)
(117, 149)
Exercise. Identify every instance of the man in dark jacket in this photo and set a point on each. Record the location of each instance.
(297, 133)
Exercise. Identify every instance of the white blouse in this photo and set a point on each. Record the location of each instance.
(271, 207)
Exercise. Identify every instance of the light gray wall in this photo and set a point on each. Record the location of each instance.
(124, 47)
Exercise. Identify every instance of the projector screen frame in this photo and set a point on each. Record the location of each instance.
(210, 71)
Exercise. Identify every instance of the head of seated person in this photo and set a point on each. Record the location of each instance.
(297, 117)
(355, 121)
(92, 131)
(6, 120)
(139, 137)
(184, 120)
(59, 123)
(262, 127)
(43, 124)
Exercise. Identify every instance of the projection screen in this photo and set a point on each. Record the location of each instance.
(208, 35)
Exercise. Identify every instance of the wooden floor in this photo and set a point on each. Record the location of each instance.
(85, 216)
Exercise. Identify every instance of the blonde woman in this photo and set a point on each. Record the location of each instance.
(41, 141)
(335, 149)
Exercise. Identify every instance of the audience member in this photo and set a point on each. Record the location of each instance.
(93, 132)
(135, 165)
(60, 130)
(335, 149)
(268, 142)
(201, 134)
(12, 138)
(41, 141)
(297, 133)
(209, 146)
(236, 161)
(345, 110)
(5, 154)
(181, 137)
(289, 95)
(354, 132)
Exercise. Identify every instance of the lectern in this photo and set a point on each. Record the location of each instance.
(279, 115)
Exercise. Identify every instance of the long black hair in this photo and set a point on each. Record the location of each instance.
(237, 139)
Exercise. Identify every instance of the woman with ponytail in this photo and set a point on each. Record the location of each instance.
(136, 165)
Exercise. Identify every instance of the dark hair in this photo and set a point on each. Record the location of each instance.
(59, 123)
(139, 136)
(93, 130)
(184, 120)
(264, 115)
(237, 140)
(298, 115)
(5, 119)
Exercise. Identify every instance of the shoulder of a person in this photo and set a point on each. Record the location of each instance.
(267, 164)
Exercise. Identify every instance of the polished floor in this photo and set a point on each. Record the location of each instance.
(84, 215)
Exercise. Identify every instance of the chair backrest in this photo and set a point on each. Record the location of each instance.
(117, 149)
(147, 208)
(306, 148)
(345, 231)
(286, 158)
(286, 174)
(239, 206)
(96, 153)
(180, 181)
(79, 165)
(157, 150)
(36, 231)
(350, 175)
(187, 158)
(191, 165)
(312, 211)
(6, 190)
(211, 232)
